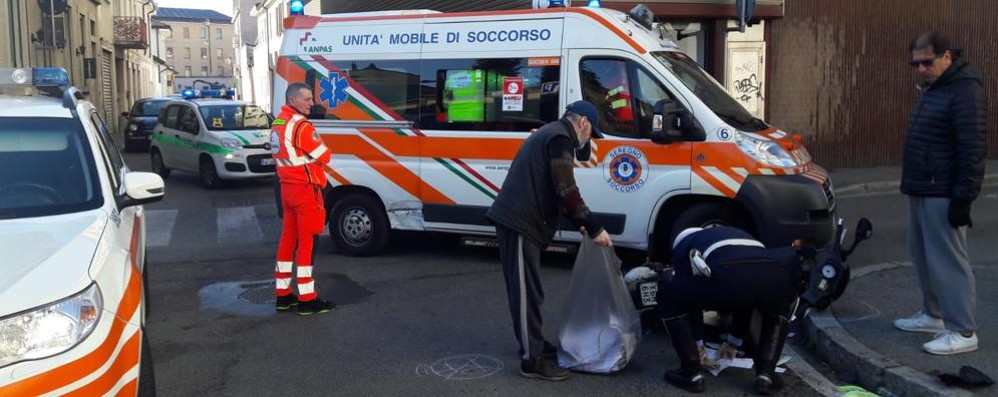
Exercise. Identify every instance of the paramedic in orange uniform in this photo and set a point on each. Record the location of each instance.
(300, 156)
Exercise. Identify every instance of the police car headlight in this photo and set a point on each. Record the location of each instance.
(51, 329)
(133, 127)
(232, 143)
(764, 150)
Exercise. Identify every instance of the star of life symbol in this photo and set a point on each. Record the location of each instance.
(334, 90)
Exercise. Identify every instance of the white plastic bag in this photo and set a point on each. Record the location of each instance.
(601, 327)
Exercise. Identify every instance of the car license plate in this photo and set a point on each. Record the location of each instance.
(267, 161)
(649, 294)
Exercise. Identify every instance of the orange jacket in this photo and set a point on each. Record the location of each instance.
(298, 150)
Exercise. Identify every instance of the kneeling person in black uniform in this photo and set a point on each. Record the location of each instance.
(726, 269)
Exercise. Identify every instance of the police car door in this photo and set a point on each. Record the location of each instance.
(188, 133)
(628, 176)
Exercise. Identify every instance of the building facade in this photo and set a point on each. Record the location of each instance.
(261, 52)
(200, 48)
(843, 80)
(103, 45)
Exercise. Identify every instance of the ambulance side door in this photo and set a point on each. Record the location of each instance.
(628, 175)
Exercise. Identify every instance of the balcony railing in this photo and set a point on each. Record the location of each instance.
(131, 32)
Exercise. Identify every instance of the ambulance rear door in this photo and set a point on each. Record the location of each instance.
(628, 176)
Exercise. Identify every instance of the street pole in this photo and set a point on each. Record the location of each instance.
(52, 19)
(207, 23)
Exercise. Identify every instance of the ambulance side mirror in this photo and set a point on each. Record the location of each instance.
(671, 122)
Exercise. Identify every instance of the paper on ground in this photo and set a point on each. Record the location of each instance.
(715, 366)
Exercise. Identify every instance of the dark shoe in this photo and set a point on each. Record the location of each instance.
(550, 351)
(315, 306)
(285, 303)
(768, 384)
(543, 368)
(692, 382)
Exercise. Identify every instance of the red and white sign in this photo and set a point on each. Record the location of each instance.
(512, 94)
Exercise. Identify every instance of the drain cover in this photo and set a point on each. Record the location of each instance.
(258, 293)
(466, 367)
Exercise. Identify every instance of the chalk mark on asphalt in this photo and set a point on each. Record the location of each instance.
(462, 367)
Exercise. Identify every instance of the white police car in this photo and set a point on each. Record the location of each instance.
(218, 138)
(72, 236)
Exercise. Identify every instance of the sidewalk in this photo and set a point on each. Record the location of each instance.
(856, 337)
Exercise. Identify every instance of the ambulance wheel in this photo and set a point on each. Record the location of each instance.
(157, 164)
(209, 175)
(358, 225)
(147, 376)
(707, 215)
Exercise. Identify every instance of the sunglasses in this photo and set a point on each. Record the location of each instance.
(924, 62)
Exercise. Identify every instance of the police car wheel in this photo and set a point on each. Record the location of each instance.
(358, 225)
(157, 164)
(147, 376)
(209, 175)
(706, 215)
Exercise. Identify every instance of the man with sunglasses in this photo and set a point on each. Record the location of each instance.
(942, 174)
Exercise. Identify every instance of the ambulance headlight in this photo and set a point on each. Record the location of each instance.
(764, 150)
(51, 329)
(232, 143)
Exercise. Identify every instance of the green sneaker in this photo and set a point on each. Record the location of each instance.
(315, 306)
(285, 303)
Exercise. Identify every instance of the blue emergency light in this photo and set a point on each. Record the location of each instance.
(556, 3)
(297, 7)
(595, 4)
(38, 77)
(191, 93)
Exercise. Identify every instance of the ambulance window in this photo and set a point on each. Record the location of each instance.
(500, 94)
(605, 85)
(648, 92)
(391, 85)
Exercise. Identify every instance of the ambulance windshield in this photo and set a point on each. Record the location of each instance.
(709, 91)
(234, 117)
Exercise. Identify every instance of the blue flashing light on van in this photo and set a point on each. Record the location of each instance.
(595, 4)
(296, 7)
(191, 93)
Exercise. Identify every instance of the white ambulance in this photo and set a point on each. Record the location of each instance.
(72, 234)
(424, 112)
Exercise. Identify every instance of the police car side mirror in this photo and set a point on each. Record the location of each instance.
(124, 114)
(671, 122)
(142, 188)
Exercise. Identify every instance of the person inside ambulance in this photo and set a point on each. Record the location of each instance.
(726, 269)
(619, 96)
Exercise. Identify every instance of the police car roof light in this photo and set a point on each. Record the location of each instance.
(296, 7)
(37, 77)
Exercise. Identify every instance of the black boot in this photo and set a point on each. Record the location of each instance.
(688, 376)
(772, 336)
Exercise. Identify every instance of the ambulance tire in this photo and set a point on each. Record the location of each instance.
(208, 173)
(358, 225)
(147, 375)
(706, 215)
(158, 166)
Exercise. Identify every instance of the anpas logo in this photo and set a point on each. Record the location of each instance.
(310, 45)
(625, 169)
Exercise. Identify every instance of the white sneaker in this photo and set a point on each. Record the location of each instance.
(920, 322)
(951, 342)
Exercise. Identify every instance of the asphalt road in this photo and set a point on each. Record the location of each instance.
(428, 318)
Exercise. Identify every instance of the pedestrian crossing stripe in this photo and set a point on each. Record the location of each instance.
(233, 226)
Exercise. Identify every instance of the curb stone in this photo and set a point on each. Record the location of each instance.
(888, 186)
(860, 365)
